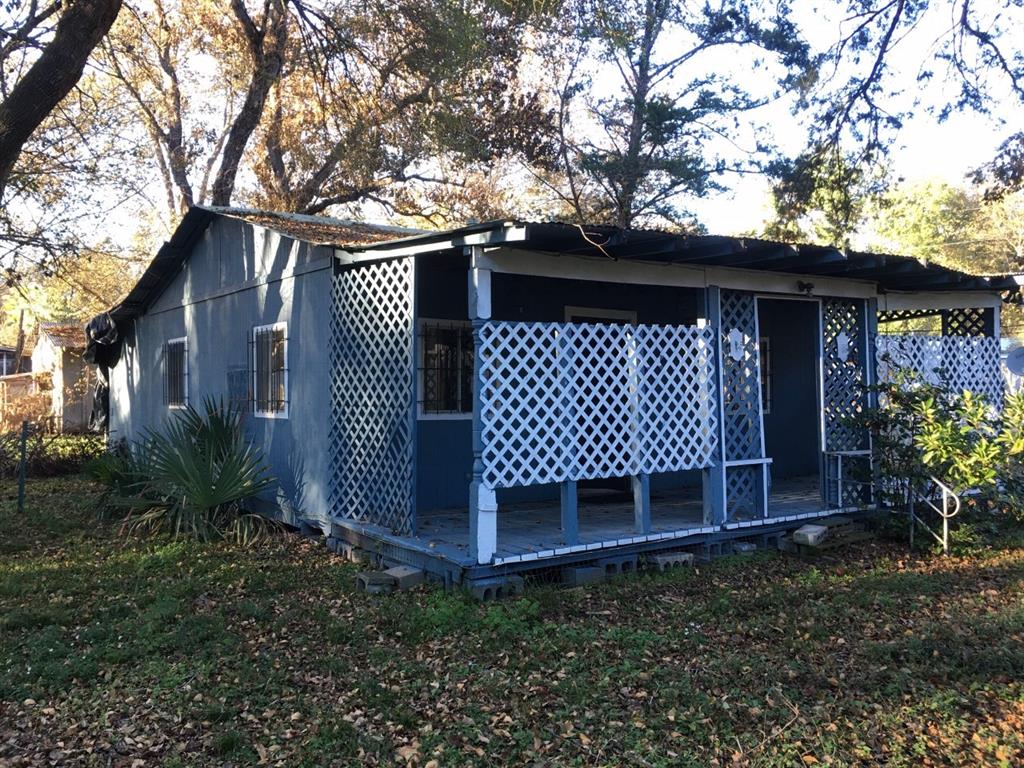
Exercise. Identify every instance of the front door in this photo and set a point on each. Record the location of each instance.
(789, 341)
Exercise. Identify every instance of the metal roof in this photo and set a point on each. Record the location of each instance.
(889, 272)
(317, 230)
(70, 335)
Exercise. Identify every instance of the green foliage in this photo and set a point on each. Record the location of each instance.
(48, 455)
(821, 196)
(190, 479)
(925, 431)
(628, 156)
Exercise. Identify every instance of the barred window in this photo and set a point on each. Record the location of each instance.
(270, 370)
(446, 368)
(176, 372)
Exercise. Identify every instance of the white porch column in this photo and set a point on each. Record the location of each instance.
(483, 506)
(713, 478)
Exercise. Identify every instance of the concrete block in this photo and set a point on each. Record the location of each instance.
(339, 546)
(621, 565)
(744, 548)
(375, 582)
(361, 556)
(663, 561)
(496, 588)
(577, 576)
(405, 576)
(810, 535)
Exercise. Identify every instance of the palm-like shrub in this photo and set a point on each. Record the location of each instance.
(190, 478)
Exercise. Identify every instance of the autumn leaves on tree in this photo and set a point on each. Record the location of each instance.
(435, 112)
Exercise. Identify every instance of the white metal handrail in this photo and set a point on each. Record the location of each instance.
(950, 508)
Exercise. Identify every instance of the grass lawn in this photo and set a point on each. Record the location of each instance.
(119, 652)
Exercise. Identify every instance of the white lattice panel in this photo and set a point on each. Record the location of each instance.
(561, 401)
(845, 377)
(957, 363)
(372, 395)
(741, 391)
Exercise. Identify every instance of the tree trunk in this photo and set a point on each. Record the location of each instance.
(266, 47)
(82, 25)
(19, 347)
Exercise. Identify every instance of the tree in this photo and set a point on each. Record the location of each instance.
(32, 83)
(822, 197)
(628, 156)
(321, 105)
(855, 92)
(160, 59)
(956, 227)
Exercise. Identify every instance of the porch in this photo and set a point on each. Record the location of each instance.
(533, 530)
(715, 412)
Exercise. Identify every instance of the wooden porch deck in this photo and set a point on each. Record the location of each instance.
(529, 531)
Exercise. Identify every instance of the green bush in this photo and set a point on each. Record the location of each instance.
(924, 431)
(189, 479)
(48, 455)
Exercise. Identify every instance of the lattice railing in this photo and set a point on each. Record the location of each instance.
(741, 391)
(373, 395)
(844, 375)
(957, 363)
(967, 321)
(562, 401)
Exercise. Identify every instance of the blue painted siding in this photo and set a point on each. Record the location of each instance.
(444, 447)
(237, 277)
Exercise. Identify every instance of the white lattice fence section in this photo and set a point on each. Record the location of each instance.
(372, 395)
(563, 401)
(957, 363)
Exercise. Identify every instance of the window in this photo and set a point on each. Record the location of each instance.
(596, 315)
(176, 372)
(270, 370)
(764, 350)
(446, 369)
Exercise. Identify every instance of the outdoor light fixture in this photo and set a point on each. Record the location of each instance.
(804, 287)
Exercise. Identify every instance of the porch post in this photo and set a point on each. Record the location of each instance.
(570, 513)
(483, 506)
(642, 503)
(871, 367)
(713, 478)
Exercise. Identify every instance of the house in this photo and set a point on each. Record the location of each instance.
(514, 395)
(58, 352)
(9, 361)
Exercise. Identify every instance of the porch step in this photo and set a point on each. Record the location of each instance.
(841, 531)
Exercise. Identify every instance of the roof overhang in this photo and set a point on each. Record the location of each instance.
(889, 273)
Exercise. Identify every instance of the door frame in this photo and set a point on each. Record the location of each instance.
(819, 389)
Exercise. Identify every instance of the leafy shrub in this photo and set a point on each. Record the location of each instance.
(189, 479)
(48, 455)
(923, 431)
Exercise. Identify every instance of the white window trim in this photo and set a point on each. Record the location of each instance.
(606, 314)
(421, 415)
(167, 373)
(283, 413)
(766, 374)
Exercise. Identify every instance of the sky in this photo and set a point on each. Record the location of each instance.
(925, 148)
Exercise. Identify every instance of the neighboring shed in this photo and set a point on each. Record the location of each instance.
(514, 395)
(59, 353)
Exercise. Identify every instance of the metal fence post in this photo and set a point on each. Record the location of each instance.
(22, 467)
